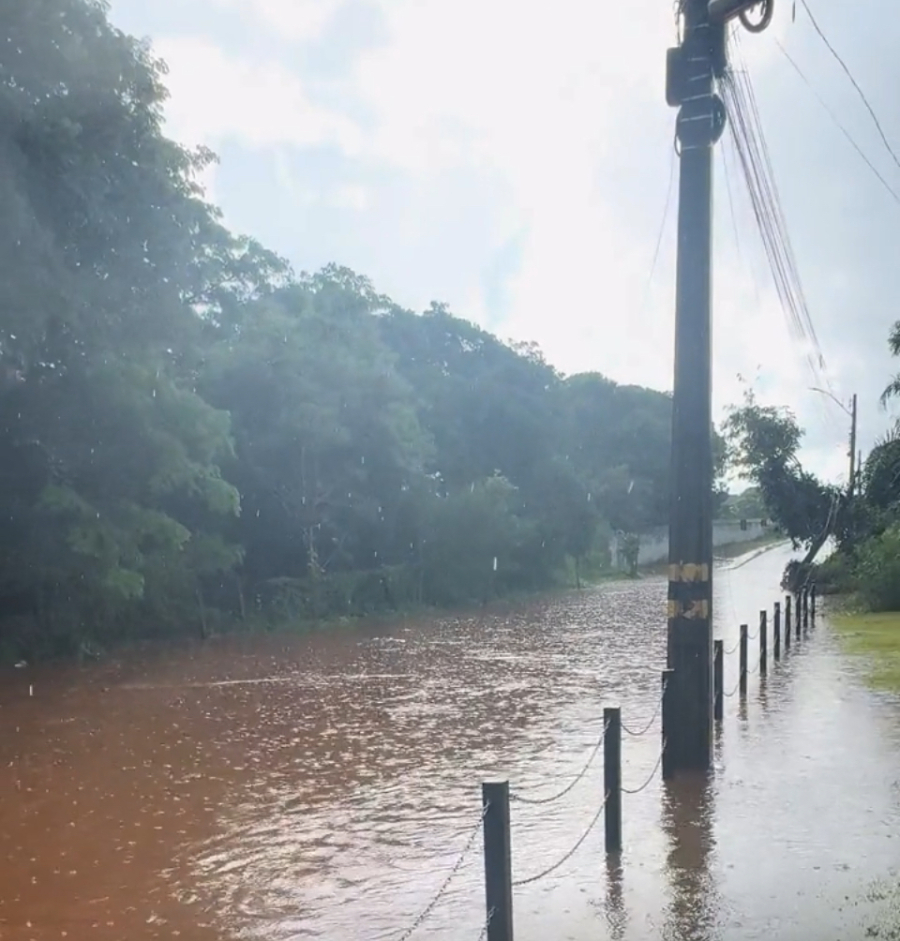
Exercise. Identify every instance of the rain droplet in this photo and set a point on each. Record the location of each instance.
(495, 563)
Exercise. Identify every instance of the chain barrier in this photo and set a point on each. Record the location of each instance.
(648, 726)
(569, 855)
(487, 924)
(537, 801)
(427, 910)
(646, 783)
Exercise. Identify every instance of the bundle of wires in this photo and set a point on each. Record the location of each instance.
(755, 162)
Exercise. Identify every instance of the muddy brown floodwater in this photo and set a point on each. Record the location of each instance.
(322, 787)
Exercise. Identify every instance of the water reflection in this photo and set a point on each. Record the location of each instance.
(616, 914)
(323, 787)
(687, 819)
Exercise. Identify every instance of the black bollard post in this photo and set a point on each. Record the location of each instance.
(612, 778)
(788, 623)
(776, 627)
(798, 603)
(497, 861)
(718, 680)
(812, 604)
(763, 642)
(668, 724)
(743, 660)
(805, 609)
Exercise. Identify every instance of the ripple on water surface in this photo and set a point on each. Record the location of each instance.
(323, 787)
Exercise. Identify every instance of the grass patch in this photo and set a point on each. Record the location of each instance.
(876, 638)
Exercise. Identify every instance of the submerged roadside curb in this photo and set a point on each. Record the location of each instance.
(751, 556)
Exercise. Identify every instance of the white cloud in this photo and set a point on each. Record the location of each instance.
(297, 20)
(216, 97)
(554, 104)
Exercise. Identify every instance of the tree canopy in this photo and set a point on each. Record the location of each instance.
(762, 445)
(191, 434)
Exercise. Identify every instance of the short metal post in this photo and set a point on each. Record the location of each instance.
(788, 623)
(612, 778)
(497, 861)
(812, 604)
(799, 618)
(718, 680)
(743, 660)
(776, 627)
(763, 642)
(668, 724)
(805, 608)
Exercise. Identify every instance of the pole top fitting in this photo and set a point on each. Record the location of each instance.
(720, 11)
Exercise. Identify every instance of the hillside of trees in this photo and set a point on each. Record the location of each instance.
(192, 436)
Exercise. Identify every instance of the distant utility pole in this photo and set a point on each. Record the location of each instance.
(692, 70)
(855, 458)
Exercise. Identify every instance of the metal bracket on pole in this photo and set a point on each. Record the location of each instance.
(721, 11)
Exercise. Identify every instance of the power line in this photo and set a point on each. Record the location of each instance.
(756, 165)
(853, 81)
(755, 161)
(837, 122)
(745, 261)
(662, 227)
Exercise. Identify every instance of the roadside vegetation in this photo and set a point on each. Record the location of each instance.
(861, 523)
(195, 437)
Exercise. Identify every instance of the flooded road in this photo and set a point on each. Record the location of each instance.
(323, 787)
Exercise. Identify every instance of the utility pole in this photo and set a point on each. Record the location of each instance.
(692, 70)
(855, 457)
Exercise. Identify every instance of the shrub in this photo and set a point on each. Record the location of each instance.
(878, 571)
(836, 575)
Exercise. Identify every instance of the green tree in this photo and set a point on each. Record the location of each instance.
(475, 543)
(892, 389)
(328, 440)
(763, 443)
(112, 265)
(747, 505)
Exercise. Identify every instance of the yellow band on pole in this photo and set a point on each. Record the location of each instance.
(689, 572)
(693, 610)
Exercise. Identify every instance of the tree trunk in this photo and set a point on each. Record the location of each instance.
(204, 632)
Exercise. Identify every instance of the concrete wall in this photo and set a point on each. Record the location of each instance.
(655, 544)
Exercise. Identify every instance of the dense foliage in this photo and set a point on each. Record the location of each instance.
(762, 447)
(864, 521)
(747, 505)
(190, 435)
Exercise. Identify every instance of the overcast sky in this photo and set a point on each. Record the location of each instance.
(514, 160)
